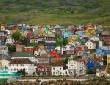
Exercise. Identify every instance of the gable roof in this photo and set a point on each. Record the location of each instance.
(20, 61)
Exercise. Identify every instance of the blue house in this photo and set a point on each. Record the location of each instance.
(66, 34)
(80, 33)
(103, 51)
(100, 52)
(90, 64)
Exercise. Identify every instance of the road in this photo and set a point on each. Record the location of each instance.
(48, 79)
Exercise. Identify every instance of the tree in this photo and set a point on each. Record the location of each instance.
(41, 42)
(16, 36)
(91, 71)
(24, 41)
(11, 48)
(33, 44)
(21, 72)
(65, 41)
(66, 60)
(59, 40)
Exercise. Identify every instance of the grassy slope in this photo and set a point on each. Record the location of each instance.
(55, 11)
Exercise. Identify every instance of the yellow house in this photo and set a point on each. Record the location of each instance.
(90, 30)
(2, 28)
(72, 39)
(107, 69)
(108, 59)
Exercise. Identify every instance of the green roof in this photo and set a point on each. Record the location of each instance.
(23, 54)
(5, 73)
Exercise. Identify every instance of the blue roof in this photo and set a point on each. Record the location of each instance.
(103, 51)
(80, 33)
(90, 64)
(66, 34)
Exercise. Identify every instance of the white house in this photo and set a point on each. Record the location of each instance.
(76, 68)
(4, 50)
(2, 28)
(94, 38)
(9, 40)
(59, 49)
(4, 63)
(69, 49)
(100, 43)
(90, 45)
(20, 64)
(59, 71)
(40, 52)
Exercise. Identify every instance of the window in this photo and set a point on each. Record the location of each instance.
(56, 72)
(81, 68)
(53, 73)
(66, 72)
(53, 68)
(90, 46)
(14, 69)
(82, 63)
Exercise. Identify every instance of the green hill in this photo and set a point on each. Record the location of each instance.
(55, 11)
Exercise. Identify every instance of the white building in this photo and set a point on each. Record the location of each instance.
(59, 71)
(2, 28)
(73, 68)
(91, 45)
(40, 52)
(20, 64)
(4, 63)
(4, 50)
(9, 40)
(100, 43)
(94, 38)
(76, 68)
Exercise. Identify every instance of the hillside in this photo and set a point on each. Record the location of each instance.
(55, 11)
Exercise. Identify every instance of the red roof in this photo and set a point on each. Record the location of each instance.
(20, 61)
(54, 54)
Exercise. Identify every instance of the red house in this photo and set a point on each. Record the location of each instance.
(43, 69)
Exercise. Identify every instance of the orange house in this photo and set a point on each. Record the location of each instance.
(14, 29)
